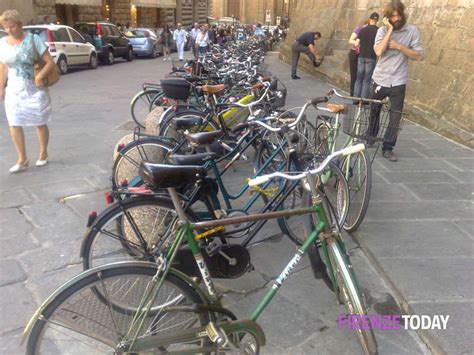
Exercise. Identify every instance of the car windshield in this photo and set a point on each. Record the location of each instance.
(41, 32)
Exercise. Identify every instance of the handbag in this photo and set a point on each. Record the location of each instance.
(53, 76)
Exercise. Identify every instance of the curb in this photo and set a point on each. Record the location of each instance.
(425, 335)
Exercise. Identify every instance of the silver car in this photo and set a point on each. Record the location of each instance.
(144, 42)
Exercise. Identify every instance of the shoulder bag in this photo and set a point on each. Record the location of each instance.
(53, 76)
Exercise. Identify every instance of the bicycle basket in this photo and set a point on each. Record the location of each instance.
(278, 93)
(372, 122)
(176, 88)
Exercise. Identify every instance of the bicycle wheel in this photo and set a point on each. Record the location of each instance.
(358, 172)
(75, 320)
(128, 161)
(135, 228)
(240, 342)
(349, 294)
(141, 103)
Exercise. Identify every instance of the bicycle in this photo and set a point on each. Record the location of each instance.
(140, 226)
(123, 307)
(357, 167)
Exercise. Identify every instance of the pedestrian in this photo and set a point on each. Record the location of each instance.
(395, 43)
(166, 38)
(304, 44)
(27, 100)
(258, 32)
(354, 55)
(192, 39)
(202, 40)
(180, 36)
(212, 34)
(367, 57)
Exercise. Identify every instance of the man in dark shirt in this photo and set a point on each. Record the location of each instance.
(367, 57)
(304, 44)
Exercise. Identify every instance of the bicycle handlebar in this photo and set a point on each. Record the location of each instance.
(338, 94)
(346, 151)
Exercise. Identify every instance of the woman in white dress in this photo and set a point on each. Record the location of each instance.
(27, 100)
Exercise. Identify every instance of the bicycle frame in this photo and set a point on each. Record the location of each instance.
(187, 233)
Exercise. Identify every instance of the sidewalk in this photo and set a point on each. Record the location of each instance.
(419, 228)
(415, 244)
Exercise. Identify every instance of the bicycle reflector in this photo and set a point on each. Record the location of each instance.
(165, 100)
(91, 219)
(120, 147)
(108, 198)
(124, 183)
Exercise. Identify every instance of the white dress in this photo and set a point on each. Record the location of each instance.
(25, 104)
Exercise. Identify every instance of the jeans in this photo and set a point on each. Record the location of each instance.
(202, 50)
(396, 94)
(365, 69)
(296, 49)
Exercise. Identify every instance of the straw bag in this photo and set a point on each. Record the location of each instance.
(53, 76)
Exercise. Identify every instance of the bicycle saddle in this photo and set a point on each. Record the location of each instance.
(161, 176)
(203, 137)
(213, 89)
(185, 122)
(194, 159)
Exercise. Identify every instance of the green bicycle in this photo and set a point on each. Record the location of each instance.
(139, 307)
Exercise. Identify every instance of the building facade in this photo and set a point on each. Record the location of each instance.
(136, 13)
(268, 12)
(440, 91)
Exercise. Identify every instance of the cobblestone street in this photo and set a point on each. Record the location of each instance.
(414, 249)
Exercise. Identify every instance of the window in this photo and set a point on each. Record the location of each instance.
(61, 35)
(76, 37)
(114, 31)
(41, 32)
(105, 31)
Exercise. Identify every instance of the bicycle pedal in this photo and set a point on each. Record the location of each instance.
(212, 249)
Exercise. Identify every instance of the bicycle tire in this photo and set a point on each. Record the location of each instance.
(141, 104)
(127, 163)
(349, 293)
(95, 322)
(358, 181)
(111, 237)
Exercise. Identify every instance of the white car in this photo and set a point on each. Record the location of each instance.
(67, 46)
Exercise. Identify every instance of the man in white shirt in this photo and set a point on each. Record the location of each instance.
(180, 36)
(194, 34)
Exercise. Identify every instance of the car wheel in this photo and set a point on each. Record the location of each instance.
(93, 61)
(109, 59)
(62, 65)
(129, 55)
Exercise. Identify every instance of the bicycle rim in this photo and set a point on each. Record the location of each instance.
(120, 233)
(141, 105)
(350, 295)
(127, 164)
(358, 172)
(77, 321)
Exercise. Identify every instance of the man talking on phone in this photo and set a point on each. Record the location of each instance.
(395, 43)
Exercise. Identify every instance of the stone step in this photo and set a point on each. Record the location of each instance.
(336, 44)
(335, 61)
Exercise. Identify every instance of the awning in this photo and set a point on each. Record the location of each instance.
(163, 4)
(80, 2)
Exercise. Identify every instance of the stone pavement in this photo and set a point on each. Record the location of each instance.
(413, 250)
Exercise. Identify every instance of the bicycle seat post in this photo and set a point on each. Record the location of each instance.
(177, 205)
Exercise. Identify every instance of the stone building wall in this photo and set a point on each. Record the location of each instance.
(147, 17)
(120, 11)
(440, 89)
(88, 13)
(45, 8)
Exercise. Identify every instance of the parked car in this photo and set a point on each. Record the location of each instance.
(144, 42)
(2, 33)
(109, 42)
(66, 46)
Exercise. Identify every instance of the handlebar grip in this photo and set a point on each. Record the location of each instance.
(353, 149)
(239, 127)
(258, 180)
(319, 100)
